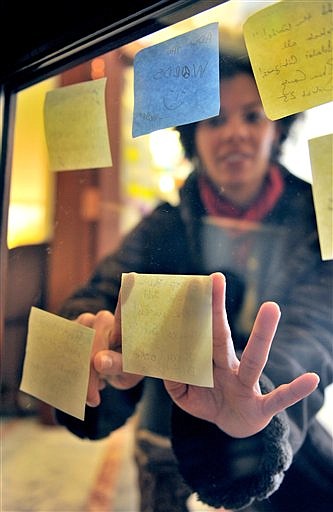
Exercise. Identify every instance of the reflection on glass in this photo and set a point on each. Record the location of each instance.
(61, 224)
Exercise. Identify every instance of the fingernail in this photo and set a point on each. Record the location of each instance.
(106, 363)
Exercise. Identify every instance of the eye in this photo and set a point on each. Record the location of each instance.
(254, 116)
(215, 122)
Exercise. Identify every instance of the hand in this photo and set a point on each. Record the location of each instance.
(106, 358)
(235, 403)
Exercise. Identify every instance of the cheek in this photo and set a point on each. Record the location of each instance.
(205, 144)
(266, 142)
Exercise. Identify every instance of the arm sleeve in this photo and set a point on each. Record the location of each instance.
(304, 342)
(153, 246)
(139, 252)
(230, 472)
(115, 408)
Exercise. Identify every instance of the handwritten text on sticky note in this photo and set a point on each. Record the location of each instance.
(76, 127)
(177, 82)
(167, 327)
(321, 156)
(57, 360)
(290, 48)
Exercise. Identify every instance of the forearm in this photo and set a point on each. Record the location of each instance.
(139, 252)
(229, 472)
(115, 408)
(99, 293)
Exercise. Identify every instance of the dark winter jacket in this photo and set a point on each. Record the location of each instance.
(278, 260)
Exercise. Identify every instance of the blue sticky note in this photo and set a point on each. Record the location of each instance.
(177, 82)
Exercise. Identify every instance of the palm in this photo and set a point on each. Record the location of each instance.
(235, 403)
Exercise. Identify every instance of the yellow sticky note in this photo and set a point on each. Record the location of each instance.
(76, 127)
(290, 48)
(321, 156)
(167, 327)
(57, 361)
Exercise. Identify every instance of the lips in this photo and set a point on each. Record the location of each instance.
(234, 157)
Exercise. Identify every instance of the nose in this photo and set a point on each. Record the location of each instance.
(234, 127)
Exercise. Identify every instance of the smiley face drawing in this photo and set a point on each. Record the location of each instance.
(174, 98)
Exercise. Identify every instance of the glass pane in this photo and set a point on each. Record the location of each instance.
(62, 224)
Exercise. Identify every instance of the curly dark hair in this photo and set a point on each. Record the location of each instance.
(230, 66)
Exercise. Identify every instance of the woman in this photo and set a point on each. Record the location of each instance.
(243, 214)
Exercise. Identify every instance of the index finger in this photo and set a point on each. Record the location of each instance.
(257, 349)
(224, 352)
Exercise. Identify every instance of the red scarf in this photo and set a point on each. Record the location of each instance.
(218, 206)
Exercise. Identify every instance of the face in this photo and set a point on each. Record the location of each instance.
(235, 147)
